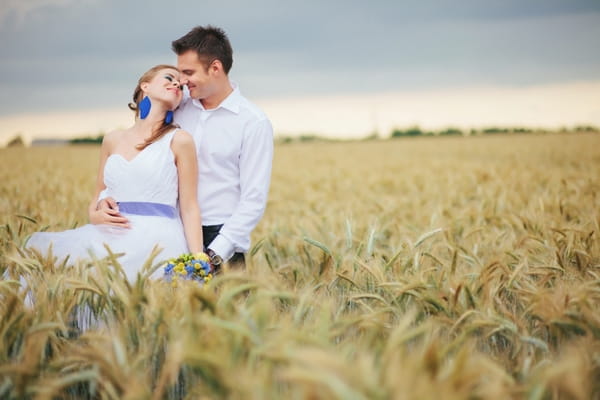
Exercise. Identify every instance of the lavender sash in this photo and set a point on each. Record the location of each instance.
(144, 208)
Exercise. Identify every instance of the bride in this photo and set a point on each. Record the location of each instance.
(148, 168)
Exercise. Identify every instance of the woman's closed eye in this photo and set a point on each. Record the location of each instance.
(172, 79)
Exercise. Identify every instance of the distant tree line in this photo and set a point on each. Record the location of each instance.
(87, 140)
(17, 141)
(416, 131)
(413, 131)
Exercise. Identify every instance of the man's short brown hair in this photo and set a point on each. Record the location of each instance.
(210, 43)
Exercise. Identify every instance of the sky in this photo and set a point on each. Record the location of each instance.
(337, 68)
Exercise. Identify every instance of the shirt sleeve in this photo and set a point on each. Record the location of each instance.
(256, 159)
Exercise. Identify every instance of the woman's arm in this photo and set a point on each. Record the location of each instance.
(184, 148)
(98, 215)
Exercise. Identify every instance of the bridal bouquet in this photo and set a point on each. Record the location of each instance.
(189, 267)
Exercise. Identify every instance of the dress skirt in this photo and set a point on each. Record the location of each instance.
(137, 242)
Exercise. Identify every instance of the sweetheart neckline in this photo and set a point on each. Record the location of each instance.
(123, 157)
(139, 152)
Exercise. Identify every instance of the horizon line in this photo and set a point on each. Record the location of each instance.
(548, 106)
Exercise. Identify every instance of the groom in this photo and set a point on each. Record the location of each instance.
(234, 143)
(234, 140)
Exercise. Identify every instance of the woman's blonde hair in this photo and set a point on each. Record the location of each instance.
(138, 95)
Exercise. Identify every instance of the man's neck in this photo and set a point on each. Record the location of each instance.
(213, 101)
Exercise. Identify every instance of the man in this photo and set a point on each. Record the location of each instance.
(234, 143)
(234, 140)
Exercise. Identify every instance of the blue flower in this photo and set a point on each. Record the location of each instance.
(205, 266)
(188, 266)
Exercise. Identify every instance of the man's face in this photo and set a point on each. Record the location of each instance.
(194, 75)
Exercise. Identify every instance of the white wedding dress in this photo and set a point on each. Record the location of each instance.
(147, 184)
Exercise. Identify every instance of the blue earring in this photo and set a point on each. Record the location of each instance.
(144, 107)
(169, 117)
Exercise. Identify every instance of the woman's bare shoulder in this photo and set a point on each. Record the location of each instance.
(182, 138)
(113, 136)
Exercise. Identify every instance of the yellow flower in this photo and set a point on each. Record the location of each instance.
(197, 266)
(202, 257)
(179, 267)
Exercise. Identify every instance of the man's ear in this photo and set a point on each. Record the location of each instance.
(216, 67)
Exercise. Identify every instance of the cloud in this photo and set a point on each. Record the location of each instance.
(65, 51)
(17, 12)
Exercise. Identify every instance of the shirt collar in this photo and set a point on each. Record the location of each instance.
(231, 102)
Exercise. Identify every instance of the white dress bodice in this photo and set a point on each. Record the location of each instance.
(151, 176)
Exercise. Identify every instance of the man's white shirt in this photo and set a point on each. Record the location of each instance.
(234, 144)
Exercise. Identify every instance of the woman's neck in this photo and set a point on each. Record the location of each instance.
(154, 119)
(143, 128)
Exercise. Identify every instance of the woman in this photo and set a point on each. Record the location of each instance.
(148, 168)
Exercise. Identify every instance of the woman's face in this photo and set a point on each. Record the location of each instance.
(165, 87)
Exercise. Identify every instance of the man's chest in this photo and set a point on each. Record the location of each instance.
(218, 136)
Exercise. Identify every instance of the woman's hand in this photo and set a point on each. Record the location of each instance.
(107, 213)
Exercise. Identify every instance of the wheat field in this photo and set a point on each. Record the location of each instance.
(426, 268)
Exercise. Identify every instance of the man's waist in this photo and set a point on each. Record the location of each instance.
(213, 221)
(216, 212)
